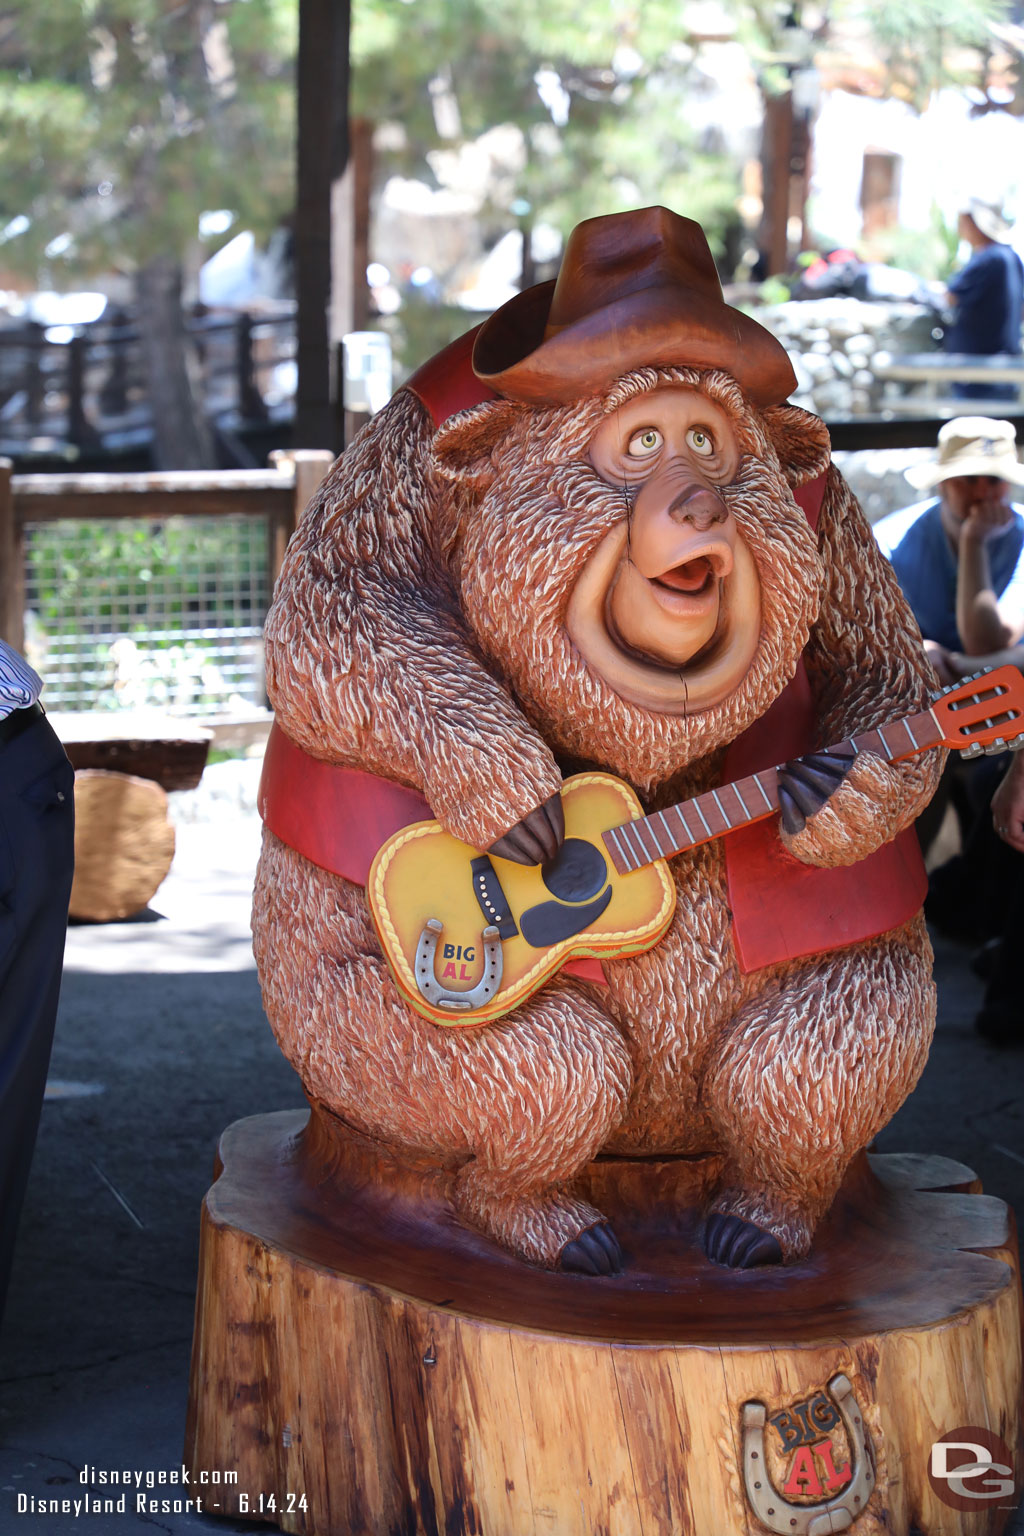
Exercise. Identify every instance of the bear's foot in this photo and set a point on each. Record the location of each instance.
(595, 1252)
(739, 1244)
(543, 1227)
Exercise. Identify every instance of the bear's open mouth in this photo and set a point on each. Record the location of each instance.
(691, 630)
(693, 577)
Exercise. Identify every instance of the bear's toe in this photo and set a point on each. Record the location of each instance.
(739, 1244)
(595, 1252)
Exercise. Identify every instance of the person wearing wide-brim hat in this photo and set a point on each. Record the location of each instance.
(959, 555)
(986, 296)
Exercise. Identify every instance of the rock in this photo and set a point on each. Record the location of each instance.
(835, 342)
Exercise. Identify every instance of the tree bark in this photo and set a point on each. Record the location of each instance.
(366, 1364)
(124, 844)
(182, 438)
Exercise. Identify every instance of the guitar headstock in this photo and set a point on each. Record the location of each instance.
(983, 713)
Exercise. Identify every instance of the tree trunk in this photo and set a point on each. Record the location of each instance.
(365, 1363)
(182, 438)
(124, 844)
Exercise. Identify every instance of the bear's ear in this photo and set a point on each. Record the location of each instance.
(801, 442)
(463, 446)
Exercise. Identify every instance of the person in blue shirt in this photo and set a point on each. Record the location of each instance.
(958, 554)
(986, 297)
(959, 558)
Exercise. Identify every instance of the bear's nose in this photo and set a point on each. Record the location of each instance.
(697, 504)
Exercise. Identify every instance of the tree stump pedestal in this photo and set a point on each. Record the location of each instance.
(368, 1366)
(124, 842)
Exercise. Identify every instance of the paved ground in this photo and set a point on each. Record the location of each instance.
(161, 1043)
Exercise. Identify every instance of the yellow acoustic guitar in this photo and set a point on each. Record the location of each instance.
(469, 935)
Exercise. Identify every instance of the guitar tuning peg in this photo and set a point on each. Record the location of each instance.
(995, 747)
(1016, 742)
(974, 750)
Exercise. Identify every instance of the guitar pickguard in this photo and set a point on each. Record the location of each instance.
(549, 922)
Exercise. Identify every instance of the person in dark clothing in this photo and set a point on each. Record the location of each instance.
(36, 862)
(987, 297)
(1001, 1019)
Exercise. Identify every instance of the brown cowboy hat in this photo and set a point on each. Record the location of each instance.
(635, 290)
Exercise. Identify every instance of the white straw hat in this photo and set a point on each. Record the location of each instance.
(971, 445)
(990, 218)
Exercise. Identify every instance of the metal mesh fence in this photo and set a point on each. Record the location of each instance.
(134, 614)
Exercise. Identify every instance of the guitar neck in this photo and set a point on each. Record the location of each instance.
(634, 844)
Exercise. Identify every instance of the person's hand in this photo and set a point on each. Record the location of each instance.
(987, 516)
(1008, 805)
(959, 664)
(941, 660)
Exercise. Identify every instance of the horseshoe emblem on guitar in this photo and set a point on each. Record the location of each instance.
(440, 996)
(536, 918)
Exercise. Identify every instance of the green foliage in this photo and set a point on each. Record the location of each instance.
(137, 576)
(125, 613)
(926, 44)
(123, 119)
(627, 79)
(420, 330)
(931, 253)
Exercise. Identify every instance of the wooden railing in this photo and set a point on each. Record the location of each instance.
(278, 494)
(90, 390)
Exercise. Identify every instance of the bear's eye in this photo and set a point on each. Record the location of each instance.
(699, 439)
(643, 444)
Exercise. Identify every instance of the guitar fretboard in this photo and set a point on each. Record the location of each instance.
(658, 836)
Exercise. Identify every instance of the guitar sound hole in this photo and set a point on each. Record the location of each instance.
(577, 872)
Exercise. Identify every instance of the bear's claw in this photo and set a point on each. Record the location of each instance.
(535, 839)
(805, 783)
(595, 1252)
(739, 1244)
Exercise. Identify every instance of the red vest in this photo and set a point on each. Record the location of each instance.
(781, 909)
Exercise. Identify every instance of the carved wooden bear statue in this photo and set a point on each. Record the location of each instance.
(602, 561)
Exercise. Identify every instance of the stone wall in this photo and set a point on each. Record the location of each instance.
(877, 478)
(832, 342)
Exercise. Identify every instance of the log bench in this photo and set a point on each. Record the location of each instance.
(125, 764)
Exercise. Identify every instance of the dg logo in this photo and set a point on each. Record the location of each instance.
(970, 1468)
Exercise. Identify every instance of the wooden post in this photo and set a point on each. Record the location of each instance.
(76, 387)
(12, 564)
(776, 148)
(361, 131)
(34, 344)
(114, 389)
(251, 405)
(310, 467)
(322, 157)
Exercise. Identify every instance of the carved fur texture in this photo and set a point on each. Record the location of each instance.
(418, 631)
